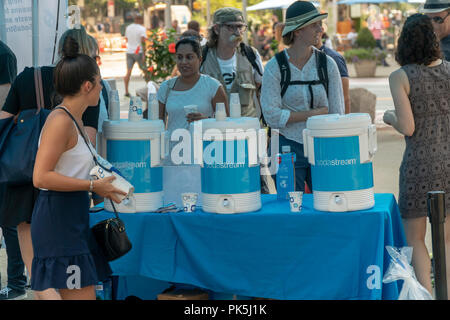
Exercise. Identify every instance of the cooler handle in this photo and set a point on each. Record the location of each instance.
(372, 134)
(164, 145)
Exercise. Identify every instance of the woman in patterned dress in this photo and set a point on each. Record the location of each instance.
(421, 92)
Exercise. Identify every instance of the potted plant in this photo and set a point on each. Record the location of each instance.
(365, 57)
(160, 55)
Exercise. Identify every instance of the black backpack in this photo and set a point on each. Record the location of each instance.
(246, 50)
(321, 62)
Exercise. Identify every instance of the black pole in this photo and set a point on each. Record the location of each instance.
(436, 214)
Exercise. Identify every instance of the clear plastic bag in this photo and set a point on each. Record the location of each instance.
(401, 269)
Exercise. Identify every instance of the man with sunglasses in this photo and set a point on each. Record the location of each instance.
(439, 11)
(237, 66)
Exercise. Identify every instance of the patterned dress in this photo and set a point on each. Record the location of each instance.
(426, 161)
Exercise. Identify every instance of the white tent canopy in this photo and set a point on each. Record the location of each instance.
(29, 28)
(275, 4)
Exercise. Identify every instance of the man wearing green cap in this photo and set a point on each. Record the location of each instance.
(237, 66)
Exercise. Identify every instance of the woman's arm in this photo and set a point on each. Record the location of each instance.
(302, 116)
(162, 111)
(57, 137)
(403, 121)
(220, 96)
(4, 115)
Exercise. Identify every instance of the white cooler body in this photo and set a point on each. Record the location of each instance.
(340, 150)
(227, 151)
(137, 149)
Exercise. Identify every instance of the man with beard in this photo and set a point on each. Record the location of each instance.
(237, 66)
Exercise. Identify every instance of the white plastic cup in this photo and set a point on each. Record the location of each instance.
(153, 106)
(221, 114)
(114, 105)
(295, 200)
(235, 105)
(189, 200)
(135, 110)
(120, 183)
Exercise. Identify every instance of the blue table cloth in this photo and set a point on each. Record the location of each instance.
(270, 253)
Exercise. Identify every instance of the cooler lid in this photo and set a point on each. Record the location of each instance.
(337, 121)
(230, 123)
(142, 126)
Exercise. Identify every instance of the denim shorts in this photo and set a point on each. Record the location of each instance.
(134, 58)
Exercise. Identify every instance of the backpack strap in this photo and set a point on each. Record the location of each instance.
(285, 71)
(205, 49)
(251, 56)
(321, 61)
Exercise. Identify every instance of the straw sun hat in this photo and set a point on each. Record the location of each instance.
(435, 6)
(301, 14)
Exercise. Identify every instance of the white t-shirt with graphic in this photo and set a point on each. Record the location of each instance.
(229, 67)
(134, 33)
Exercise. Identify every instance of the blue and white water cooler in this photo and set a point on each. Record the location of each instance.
(136, 149)
(340, 149)
(227, 150)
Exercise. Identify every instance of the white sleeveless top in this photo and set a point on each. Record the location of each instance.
(76, 162)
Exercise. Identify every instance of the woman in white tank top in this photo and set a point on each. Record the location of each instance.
(66, 256)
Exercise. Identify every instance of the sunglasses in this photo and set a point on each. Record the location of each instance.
(234, 27)
(440, 20)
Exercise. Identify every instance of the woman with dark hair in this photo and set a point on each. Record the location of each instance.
(421, 93)
(66, 256)
(17, 201)
(190, 88)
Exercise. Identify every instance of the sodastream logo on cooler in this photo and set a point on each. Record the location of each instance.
(128, 165)
(336, 162)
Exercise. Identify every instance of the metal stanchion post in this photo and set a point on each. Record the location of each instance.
(436, 214)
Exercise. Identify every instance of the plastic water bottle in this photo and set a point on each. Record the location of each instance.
(286, 173)
(114, 105)
(103, 290)
(235, 105)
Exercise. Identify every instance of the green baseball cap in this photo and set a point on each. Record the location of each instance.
(228, 14)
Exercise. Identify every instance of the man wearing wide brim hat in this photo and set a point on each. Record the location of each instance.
(301, 14)
(439, 11)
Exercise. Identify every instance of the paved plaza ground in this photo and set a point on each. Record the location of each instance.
(390, 143)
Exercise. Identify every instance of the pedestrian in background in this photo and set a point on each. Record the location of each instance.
(420, 90)
(439, 12)
(135, 34)
(15, 288)
(195, 26)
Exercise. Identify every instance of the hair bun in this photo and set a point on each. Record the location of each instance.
(71, 48)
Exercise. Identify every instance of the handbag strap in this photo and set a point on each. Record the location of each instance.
(82, 135)
(93, 156)
(39, 89)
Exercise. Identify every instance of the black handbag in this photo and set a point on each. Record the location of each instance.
(110, 234)
(111, 237)
(19, 138)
